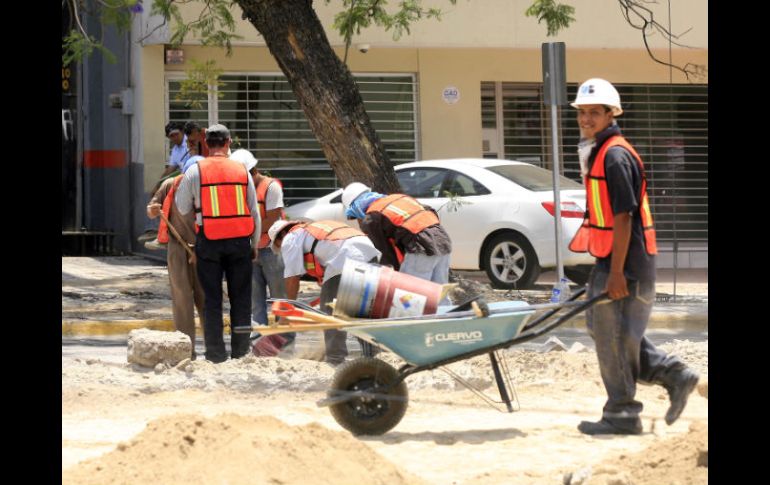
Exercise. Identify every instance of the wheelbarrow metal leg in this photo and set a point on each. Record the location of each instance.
(500, 382)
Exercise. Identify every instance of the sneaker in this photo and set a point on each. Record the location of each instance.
(154, 245)
(148, 236)
(606, 427)
(678, 393)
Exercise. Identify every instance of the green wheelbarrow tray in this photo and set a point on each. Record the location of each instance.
(423, 342)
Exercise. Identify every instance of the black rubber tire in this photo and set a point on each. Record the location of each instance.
(370, 417)
(578, 274)
(525, 261)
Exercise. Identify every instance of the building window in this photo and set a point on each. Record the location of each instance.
(264, 117)
(667, 124)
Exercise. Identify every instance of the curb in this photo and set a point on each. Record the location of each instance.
(81, 328)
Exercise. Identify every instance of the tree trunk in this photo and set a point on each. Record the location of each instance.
(325, 90)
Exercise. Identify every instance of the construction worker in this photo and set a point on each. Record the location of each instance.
(192, 149)
(320, 249)
(408, 234)
(618, 230)
(196, 139)
(186, 290)
(222, 194)
(268, 269)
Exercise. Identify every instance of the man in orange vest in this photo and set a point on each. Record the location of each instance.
(268, 270)
(222, 194)
(618, 230)
(409, 235)
(186, 291)
(320, 249)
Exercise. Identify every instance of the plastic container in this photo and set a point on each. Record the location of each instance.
(373, 291)
(561, 291)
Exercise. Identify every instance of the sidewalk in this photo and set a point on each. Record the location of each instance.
(114, 295)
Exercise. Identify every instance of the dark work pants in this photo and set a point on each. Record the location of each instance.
(231, 258)
(625, 355)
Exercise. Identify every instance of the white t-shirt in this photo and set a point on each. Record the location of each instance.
(330, 254)
(274, 196)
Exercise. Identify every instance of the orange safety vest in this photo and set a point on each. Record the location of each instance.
(224, 202)
(595, 234)
(323, 231)
(163, 227)
(264, 239)
(404, 211)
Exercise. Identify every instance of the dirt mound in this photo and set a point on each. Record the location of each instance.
(234, 449)
(681, 460)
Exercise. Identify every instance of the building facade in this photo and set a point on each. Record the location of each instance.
(469, 85)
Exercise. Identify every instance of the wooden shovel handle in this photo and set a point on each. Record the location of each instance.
(178, 237)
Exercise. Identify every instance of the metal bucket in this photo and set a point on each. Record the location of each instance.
(373, 291)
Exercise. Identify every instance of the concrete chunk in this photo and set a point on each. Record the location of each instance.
(149, 348)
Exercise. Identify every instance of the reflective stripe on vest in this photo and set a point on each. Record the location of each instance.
(595, 234)
(264, 239)
(224, 204)
(323, 231)
(163, 227)
(404, 211)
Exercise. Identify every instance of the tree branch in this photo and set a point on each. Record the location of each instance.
(646, 16)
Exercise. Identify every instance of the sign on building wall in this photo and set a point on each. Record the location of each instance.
(451, 95)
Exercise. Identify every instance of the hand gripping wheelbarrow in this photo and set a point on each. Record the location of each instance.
(369, 396)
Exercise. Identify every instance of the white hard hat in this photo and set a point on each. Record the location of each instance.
(352, 191)
(245, 157)
(277, 227)
(598, 91)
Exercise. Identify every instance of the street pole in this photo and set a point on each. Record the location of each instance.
(555, 94)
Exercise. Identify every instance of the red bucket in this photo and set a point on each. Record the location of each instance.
(372, 291)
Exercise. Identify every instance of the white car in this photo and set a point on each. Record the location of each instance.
(498, 213)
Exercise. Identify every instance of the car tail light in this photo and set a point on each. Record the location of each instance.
(568, 209)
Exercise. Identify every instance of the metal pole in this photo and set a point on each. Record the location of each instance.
(556, 193)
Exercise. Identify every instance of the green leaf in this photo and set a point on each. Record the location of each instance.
(556, 16)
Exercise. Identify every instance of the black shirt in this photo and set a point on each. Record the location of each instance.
(624, 184)
(432, 240)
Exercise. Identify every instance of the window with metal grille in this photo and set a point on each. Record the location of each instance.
(264, 117)
(666, 124)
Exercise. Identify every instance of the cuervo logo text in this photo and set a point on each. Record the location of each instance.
(462, 338)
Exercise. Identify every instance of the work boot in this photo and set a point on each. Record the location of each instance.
(148, 235)
(678, 392)
(606, 427)
(154, 245)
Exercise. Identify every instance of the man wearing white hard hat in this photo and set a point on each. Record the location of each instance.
(268, 269)
(618, 230)
(409, 235)
(320, 249)
(222, 194)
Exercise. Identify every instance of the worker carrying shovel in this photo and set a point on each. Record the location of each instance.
(320, 249)
(178, 232)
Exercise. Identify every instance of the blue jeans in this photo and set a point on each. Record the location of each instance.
(267, 273)
(625, 355)
(432, 268)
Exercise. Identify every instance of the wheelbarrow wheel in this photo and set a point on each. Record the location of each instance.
(364, 415)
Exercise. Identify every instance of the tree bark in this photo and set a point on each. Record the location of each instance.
(325, 90)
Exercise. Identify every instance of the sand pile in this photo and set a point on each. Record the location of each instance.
(681, 460)
(238, 450)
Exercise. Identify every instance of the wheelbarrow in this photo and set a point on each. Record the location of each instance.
(369, 396)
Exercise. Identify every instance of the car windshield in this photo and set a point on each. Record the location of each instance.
(533, 178)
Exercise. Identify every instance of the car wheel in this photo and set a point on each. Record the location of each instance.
(510, 261)
(578, 274)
